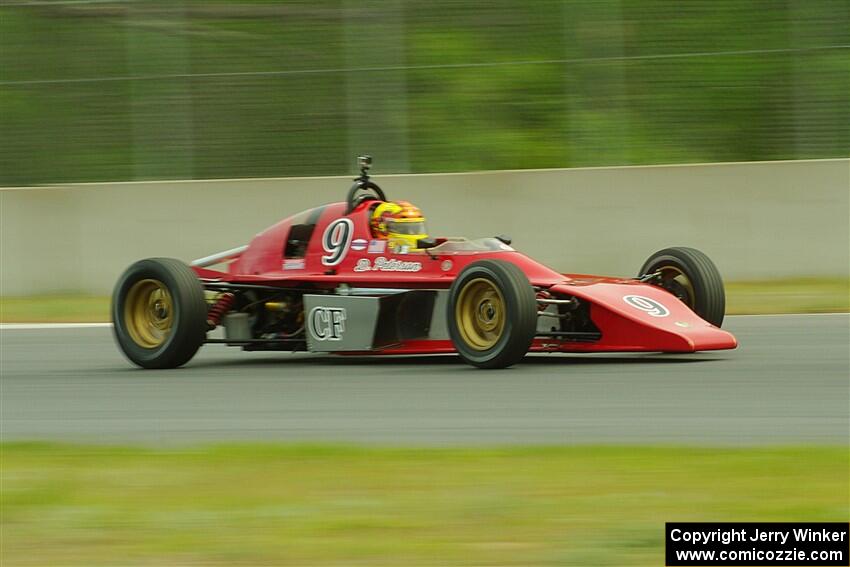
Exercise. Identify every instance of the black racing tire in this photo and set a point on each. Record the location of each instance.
(492, 314)
(159, 313)
(693, 278)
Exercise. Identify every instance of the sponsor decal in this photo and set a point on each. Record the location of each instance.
(327, 323)
(293, 263)
(377, 246)
(359, 244)
(335, 241)
(383, 264)
(446, 265)
(647, 305)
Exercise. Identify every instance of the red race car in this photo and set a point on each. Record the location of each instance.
(364, 277)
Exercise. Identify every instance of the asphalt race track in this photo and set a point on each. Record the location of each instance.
(787, 383)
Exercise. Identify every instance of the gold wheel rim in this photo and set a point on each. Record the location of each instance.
(480, 314)
(672, 273)
(149, 313)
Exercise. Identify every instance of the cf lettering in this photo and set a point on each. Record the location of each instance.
(327, 323)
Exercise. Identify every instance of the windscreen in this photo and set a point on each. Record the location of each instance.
(406, 227)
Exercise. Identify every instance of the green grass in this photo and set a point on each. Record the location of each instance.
(54, 309)
(312, 505)
(825, 295)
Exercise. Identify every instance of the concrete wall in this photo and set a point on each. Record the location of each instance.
(756, 220)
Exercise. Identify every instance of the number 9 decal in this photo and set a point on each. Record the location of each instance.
(335, 241)
(647, 305)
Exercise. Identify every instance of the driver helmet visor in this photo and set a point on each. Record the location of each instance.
(409, 227)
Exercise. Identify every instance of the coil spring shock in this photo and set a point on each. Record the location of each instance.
(219, 308)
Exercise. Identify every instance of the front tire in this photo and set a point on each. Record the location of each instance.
(159, 313)
(691, 276)
(492, 314)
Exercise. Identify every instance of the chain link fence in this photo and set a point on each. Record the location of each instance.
(98, 90)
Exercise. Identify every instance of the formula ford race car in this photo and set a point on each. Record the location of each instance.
(363, 277)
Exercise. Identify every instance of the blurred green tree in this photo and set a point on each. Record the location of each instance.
(149, 89)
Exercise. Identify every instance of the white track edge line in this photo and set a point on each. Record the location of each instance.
(34, 326)
(789, 314)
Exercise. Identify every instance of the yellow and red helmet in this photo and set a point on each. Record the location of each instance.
(400, 222)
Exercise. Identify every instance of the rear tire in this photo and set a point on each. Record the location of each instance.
(159, 313)
(492, 314)
(691, 276)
